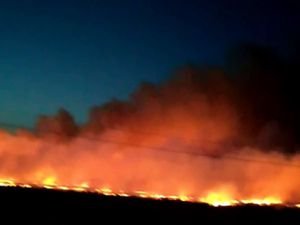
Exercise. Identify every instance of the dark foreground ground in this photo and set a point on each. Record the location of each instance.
(39, 206)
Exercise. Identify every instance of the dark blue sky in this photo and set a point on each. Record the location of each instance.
(81, 53)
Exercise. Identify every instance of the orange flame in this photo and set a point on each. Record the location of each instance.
(204, 144)
(213, 198)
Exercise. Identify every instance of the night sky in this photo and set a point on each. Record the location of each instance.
(77, 54)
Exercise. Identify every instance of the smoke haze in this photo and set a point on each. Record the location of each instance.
(232, 131)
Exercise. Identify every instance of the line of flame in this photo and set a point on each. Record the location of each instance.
(213, 199)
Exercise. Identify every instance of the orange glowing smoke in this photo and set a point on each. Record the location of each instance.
(191, 139)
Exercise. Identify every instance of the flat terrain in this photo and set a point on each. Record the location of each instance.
(42, 206)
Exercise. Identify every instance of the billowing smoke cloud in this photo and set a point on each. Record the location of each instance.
(231, 131)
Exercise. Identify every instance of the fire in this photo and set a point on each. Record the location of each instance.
(184, 198)
(49, 181)
(263, 201)
(82, 187)
(147, 174)
(218, 199)
(222, 199)
(105, 191)
(7, 182)
(213, 198)
(193, 138)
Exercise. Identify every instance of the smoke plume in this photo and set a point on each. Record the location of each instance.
(232, 131)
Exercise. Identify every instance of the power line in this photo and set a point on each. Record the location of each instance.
(162, 149)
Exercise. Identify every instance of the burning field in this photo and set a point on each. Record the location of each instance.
(202, 136)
